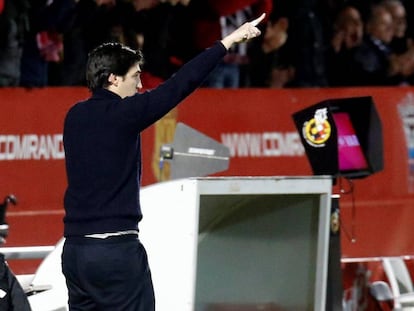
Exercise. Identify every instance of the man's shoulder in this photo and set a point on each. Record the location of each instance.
(79, 105)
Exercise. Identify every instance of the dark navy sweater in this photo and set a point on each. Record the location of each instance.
(103, 149)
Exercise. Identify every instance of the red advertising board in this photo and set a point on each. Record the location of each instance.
(256, 125)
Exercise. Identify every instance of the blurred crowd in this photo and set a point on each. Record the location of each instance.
(304, 43)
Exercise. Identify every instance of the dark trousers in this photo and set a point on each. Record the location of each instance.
(107, 274)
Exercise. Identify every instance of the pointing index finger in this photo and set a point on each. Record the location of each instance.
(258, 20)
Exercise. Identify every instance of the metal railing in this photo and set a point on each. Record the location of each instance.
(26, 252)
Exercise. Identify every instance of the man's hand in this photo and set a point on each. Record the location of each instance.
(245, 32)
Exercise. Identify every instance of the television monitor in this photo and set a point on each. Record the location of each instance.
(342, 137)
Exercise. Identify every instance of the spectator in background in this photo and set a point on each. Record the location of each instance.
(306, 44)
(372, 59)
(13, 29)
(400, 41)
(348, 31)
(92, 23)
(214, 19)
(268, 66)
(141, 6)
(401, 45)
(164, 37)
(43, 42)
(317, 52)
(375, 63)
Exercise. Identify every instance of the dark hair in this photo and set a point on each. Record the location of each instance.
(109, 58)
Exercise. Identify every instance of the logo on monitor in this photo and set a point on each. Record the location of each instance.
(317, 130)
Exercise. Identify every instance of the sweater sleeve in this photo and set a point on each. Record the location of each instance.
(154, 104)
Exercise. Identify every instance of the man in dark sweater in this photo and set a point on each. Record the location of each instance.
(103, 261)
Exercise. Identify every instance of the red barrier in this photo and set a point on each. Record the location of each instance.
(255, 124)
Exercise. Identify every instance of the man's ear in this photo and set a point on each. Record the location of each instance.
(113, 79)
